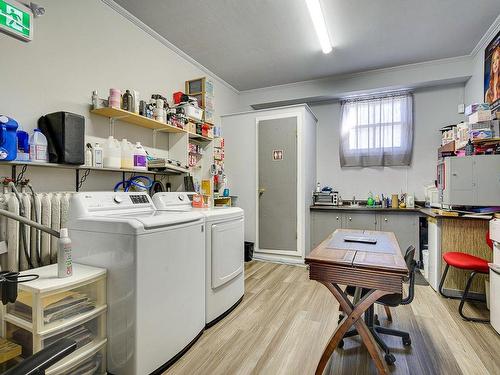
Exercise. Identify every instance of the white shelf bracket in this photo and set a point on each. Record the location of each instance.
(155, 132)
(112, 126)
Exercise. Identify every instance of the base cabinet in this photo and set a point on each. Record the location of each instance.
(403, 224)
(323, 224)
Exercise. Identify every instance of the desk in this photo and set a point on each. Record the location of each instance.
(379, 267)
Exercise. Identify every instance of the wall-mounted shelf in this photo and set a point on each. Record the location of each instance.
(169, 170)
(198, 137)
(135, 119)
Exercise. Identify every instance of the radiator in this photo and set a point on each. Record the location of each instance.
(51, 210)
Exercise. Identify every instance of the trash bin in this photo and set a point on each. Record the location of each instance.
(248, 251)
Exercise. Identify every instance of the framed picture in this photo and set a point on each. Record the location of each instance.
(492, 73)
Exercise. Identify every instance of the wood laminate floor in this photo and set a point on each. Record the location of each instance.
(285, 320)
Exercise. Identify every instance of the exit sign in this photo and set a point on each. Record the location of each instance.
(16, 20)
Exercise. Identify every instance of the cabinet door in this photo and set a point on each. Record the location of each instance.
(460, 182)
(323, 224)
(359, 220)
(404, 226)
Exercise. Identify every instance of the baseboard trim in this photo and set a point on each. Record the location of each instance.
(278, 259)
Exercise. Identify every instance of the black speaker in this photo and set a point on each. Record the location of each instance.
(65, 134)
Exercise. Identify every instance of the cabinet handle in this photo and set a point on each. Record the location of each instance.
(385, 219)
(350, 219)
(337, 217)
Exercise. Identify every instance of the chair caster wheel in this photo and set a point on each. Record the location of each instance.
(341, 344)
(390, 359)
(406, 341)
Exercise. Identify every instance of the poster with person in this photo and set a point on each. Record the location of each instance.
(492, 74)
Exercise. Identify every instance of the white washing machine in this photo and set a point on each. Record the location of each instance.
(156, 276)
(224, 244)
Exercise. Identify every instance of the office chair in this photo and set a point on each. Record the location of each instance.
(466, 262)
(389, 300)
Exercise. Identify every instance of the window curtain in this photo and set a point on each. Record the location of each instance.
(377, 131)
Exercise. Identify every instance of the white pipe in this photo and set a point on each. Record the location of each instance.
(29, 222)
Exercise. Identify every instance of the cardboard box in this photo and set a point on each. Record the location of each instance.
(480, 116)
(472, 108)
(480, 134)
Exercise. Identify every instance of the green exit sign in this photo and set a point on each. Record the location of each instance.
(16, 19)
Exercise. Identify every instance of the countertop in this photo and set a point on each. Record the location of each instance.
(420, 210)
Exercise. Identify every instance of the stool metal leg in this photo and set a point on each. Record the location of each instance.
(464, 298)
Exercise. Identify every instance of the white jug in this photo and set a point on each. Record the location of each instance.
(127, 155)
(112, 153)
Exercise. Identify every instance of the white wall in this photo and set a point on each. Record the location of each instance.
(80, 46)
(433, 108)
(474, 88)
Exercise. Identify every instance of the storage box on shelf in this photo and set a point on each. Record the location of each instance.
(51, 308)
(203, 90)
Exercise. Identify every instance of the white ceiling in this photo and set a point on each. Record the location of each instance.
(260, 43)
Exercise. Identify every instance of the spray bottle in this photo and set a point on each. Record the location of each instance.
(64, 261)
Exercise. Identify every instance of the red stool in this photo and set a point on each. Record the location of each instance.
(469, 263)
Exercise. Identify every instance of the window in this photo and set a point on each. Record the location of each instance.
(377, 131)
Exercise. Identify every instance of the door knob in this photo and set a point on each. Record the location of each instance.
(261, 191)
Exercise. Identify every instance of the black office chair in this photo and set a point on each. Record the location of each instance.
(42, 360)
(390, 300)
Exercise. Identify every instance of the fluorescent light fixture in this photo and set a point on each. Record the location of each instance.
(319, 23)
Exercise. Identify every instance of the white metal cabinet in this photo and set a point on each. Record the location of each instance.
(404, 226)
(359, 220)
(323, 223)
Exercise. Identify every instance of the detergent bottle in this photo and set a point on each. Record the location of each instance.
(127, 155)
(8, 138)
(140, 157)
(38, 147)
(112, 153)
(23, 145)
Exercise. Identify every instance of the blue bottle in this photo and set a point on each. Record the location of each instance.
(8, 138)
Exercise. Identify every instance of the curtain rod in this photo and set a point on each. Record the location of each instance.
(384, 95)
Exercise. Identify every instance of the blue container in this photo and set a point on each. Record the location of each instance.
(8, 138)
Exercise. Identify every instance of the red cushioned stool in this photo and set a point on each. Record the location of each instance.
(469, 263)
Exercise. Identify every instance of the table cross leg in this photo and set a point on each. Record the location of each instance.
(353, 315)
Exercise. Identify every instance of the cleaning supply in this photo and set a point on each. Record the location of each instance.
(64, 261)
(127, 154)
(38, 147)
(8, 139)
(140, 157)
(127, 101)
(370, 202)
(97, 156)
(88, 156)
(23, 145)
(112, 153)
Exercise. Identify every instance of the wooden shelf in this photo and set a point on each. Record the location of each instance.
(197, 137)
(135, 119)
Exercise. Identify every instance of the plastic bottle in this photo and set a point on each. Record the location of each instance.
(64, 260)
(23, 145)
(38, 147)
(127, 101)
(112, 153)
(88, 156)
(97, 156)
(126, 155)
(140, 157)
(114, 99)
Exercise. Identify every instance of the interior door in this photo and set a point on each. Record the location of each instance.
(277, 154)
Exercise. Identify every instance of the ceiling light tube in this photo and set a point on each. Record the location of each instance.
(319, 23)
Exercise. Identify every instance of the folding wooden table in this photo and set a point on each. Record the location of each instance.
(379, 267)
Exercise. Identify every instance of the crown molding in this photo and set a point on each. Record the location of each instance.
(483, 42)
(137, 22)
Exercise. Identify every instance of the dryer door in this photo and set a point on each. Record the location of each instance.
(227, 251)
